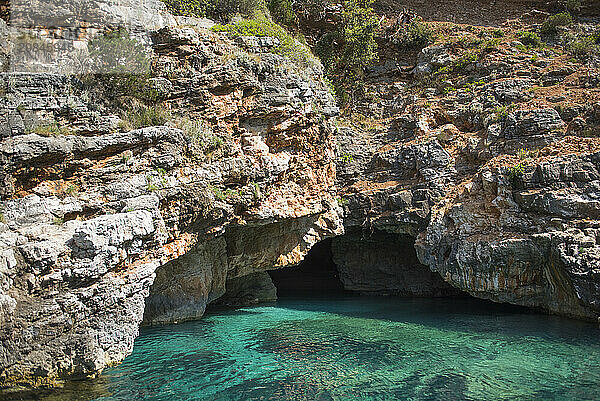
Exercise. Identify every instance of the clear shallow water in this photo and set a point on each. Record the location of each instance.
(360, 349)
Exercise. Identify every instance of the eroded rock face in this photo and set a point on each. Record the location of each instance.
(69, 307)
(532, 241)
(489, 169)
(390, 188)
(93, 214)
(248, 290)
(184, 286)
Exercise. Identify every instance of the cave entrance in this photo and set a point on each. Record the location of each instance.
(316, 275)
(373, 263)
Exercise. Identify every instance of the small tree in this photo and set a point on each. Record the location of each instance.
(116, 53)
(282, 12)
(551, 24)
(360, 26)
(349, 50)
(121, 64)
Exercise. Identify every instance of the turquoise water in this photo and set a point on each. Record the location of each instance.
(362, 349)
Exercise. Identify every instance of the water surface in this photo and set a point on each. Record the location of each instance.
(361, 349)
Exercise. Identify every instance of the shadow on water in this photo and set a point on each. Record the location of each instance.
(71, 391)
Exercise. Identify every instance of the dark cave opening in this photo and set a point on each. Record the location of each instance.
(316, 275)
(374, 263)
(358, 262)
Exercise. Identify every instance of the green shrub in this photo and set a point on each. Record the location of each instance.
(202, 137)
(72, 189)
(515, 172)
(414, 35)
(352, 47)
(498, 33)
(466, 59)
(349, 50)
(116, 53)
(256, 190)
(490, 45)
(342, 201)
(551, 24)
(157, 180)
(583, 47)
(140, 116)
(472, 86)
(120, 65)
(222, 10)
(526, 153)
(226, 9)
(192, 8)
(360, 25)
(458, 66)
(501, 112)
(346, 158)
(232, 193)
(328, 51)
(530, 39)
(261, 26)
(218, 193)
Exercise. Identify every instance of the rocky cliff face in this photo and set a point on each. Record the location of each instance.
(487, 155)
(98, 220)
(143, 201)
(531, 241)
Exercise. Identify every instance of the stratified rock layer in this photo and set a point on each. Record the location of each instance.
(532, 241)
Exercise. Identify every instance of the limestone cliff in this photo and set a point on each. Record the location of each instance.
(486, 153)
(94, 214)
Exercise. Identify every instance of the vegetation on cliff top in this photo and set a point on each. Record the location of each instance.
(349, 50)
(348, 47)
(344, 52)
(262, 26)
(222, 10)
